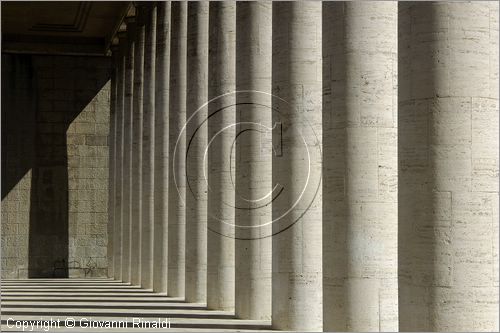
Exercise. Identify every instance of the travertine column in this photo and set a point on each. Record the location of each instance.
(196, 192)
(448, 166)
(111, 164)
(360, 166)
(253, 160)
(221, 134)
(147, 239)
(127, 150)
(161, 147)
(297, 227)
(135, 240)
(177, 120)
(120, 96)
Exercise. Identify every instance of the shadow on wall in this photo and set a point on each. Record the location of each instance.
(41, 97)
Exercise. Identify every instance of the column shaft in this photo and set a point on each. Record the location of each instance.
(360, 166)
(253, 160)
(111, 165)
(196, 192)
(135, 245)
(161, 147)
(221, 133)
(127, 152)
(297, 221)
(120, 95)
(176, 198)
(448, 166)
(147, 239)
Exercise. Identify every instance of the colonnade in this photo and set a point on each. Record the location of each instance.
(325, 166)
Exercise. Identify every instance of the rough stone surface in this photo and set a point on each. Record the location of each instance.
(127, 153)
(177, 140)
(135, 246)
(162, 94)
(54, 165)
(360, 166)
(448, 164)
(147, 219)
(196, 193)
(297, 242)
(253, 165)
(120, 98)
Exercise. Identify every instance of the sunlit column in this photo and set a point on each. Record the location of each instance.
(360, 166)
(448, 166)
(297, 291)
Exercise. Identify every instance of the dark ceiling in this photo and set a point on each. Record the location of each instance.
(66, 27)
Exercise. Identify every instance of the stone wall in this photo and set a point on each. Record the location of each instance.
(55, 114)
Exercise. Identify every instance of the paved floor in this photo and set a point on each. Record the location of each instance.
(93, 304)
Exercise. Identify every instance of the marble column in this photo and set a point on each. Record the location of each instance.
(297, 288)
(127, 150)
(448, 166)
(196, 190)
(221, 133)
(111, 164)
(148, 135)
(135, 245)
(120, 96)
(177, 140)
(253, 171)
(161, 147)
(360, 209)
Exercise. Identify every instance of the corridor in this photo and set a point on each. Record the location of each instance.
(294, 166)
(94, 303)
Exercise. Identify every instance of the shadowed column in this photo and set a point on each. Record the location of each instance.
(147, 229)
(112, 171)
(120, 91)
(127, 150)
(253, 172)
(135, 239)
(161, 147)
(177, 190)
(196, 189)
(448, 166)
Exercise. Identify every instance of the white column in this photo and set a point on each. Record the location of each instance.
(448, 166)
(253, 174)
(221, 80)
(120, 86)
(127, 150)
(297, 217)
(360, 211)
(177, 120)
(135, 245)
(147, 230)
(161, 147)
(111, 164)
(196, 187)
